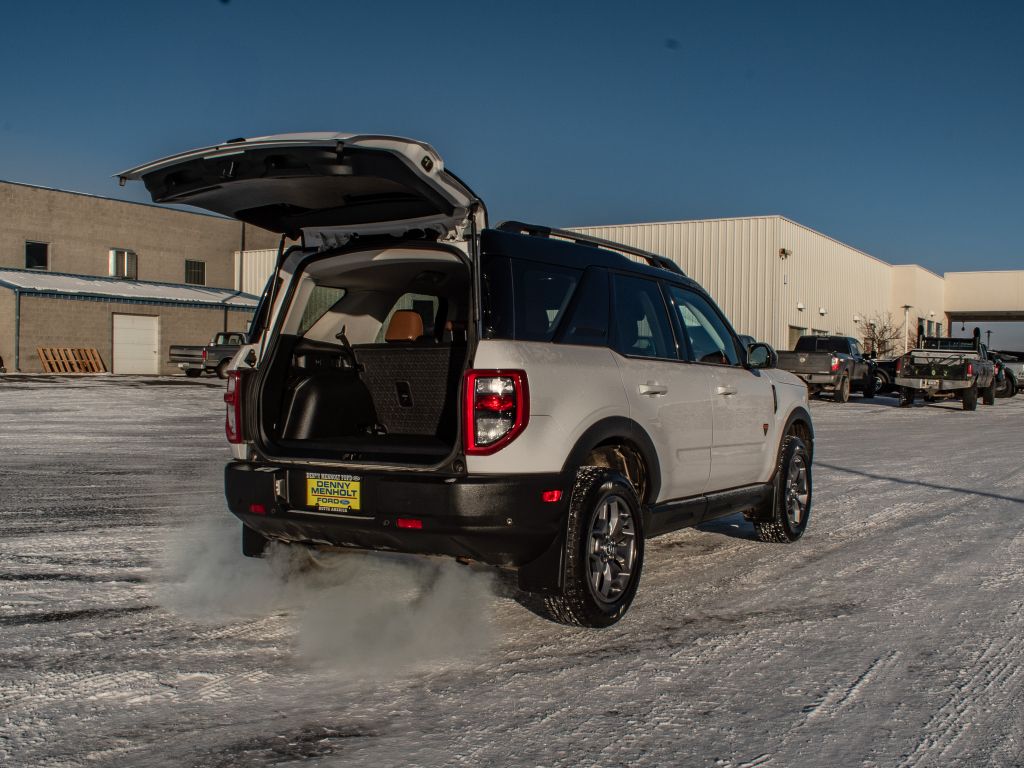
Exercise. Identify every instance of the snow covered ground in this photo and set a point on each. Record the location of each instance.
(133, 634)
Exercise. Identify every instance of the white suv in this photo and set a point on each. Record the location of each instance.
(525, 397)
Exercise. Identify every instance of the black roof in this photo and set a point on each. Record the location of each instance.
(574, 255)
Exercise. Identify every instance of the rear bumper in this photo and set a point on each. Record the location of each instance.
(932, 385)
(820, 379)
(497, 520)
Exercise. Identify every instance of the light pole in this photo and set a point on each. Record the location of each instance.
(906, 329)
(988, 338)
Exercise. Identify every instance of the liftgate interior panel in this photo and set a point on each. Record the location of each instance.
(136, 344)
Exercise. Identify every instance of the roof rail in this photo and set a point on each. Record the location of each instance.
(536, 230)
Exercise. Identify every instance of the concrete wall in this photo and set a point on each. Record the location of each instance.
(53, 322)
(81, 230)
(925, 292)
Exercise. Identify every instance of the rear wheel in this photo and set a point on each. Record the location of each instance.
(988, 394)
(193, 373)
(906, 397)
(254, 544)
(970, 398)
(222, 369)
(842, 393)
(604, 551)
(869, 387)
(785, 516)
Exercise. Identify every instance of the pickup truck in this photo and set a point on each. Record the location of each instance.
(947, 367)
(833, 364)
(209, 358)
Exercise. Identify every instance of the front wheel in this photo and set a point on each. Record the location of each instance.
(970, 399)
(604, 551)
(784, 517)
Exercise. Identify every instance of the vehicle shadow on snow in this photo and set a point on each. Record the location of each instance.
(920, 483)
(736, 526)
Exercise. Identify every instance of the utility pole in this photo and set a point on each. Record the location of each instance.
(906, 328)
(988, 338)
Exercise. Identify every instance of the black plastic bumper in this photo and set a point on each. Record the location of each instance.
(497, 520)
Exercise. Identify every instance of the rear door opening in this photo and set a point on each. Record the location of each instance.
(369, 359)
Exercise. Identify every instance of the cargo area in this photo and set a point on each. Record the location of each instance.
(368, 364)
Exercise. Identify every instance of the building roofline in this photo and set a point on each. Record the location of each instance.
(986, 272)
(114, 199)
(231, 293)
(918, 266)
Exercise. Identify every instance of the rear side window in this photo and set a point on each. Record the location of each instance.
(321, 299)
(587, 324)
(542, 294)
(642, 326)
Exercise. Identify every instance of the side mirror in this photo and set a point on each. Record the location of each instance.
(761, 355)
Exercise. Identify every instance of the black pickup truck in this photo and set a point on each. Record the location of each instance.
(833, 364)
(214, 357)
(943, 366)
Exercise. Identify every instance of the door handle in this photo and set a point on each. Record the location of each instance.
(652, 389)
(725, 391)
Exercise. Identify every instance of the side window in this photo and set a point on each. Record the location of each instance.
(321, 299)
(642, 327)
(587, 324)
(855, 348)
(708, 335)
(542, 294)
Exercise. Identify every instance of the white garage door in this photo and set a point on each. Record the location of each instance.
(136, 344)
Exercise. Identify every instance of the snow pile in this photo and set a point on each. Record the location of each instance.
(358, 612)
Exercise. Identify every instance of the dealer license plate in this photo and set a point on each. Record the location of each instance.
(327, 492)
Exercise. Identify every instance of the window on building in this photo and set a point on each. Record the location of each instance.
(124, 263)
(195, 272)
(37, 255)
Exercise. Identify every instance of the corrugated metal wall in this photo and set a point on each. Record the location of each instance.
(738, 263)
(252, 272)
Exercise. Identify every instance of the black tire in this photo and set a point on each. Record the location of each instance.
(222, 369)
(254, 544)
(582, 602)
(193, 373)
(784, 517)
(842, 392)
(882, 383)
(988, 394)
(869, 387)
(906, 395)
(969, 397)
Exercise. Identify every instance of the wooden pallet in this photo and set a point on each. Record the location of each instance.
(70, 360)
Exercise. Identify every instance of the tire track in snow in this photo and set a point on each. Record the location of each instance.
(991, 678)
(839, 698)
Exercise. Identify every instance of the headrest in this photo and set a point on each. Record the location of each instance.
(405, 325)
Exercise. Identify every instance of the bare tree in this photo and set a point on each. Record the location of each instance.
(883, 335)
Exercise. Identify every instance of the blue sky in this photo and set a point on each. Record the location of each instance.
(893, 126)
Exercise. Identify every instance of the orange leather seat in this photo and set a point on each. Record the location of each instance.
(405, 325)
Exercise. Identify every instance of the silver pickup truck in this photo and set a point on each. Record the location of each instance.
(947, 367)
(196, 359)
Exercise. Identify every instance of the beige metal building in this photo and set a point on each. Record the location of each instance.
(777, 279)
(128, 279)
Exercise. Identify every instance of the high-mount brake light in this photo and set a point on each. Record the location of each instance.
(233, 400)
(496, 407)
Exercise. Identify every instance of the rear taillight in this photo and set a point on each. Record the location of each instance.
(835, 364)
(496, 409)
(233, 399)
(204, 354)
(899, 365)
(970, 369)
